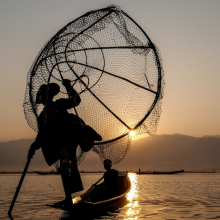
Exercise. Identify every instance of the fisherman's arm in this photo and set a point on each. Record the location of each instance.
(74, 96)
(35, 145)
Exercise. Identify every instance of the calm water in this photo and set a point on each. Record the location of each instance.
(181, 196)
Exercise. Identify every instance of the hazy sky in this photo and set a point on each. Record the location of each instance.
(186, 32)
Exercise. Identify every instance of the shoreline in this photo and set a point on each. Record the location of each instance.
(49, 173)
(43, 172)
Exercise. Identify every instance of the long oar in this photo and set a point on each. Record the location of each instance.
(88, 191)
(19, 186)
(96, 183)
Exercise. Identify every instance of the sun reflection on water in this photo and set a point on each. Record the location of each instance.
(133, 192)
(132, 197)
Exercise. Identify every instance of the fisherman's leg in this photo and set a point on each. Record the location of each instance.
(76, 182)
(65, 176)
(66, 186)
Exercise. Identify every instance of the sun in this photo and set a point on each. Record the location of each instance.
(132, 133)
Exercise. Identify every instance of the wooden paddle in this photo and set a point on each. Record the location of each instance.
(91, 188)
(19, 186)
(96, 182)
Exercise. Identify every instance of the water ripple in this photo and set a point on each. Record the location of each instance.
(182, 196)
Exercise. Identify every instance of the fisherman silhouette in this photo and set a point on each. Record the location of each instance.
(60, 133)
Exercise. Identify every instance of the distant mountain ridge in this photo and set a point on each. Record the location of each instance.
(216, 136)
(160, 152)
(175, 152)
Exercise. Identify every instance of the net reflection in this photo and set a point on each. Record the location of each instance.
(132, 197)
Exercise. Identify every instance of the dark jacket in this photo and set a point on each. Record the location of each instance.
(56, 130)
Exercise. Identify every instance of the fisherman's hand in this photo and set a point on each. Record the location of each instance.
(31, 151)
(67, 84)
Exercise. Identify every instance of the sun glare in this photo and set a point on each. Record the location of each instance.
(132, 133)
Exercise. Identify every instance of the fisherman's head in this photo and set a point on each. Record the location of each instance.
(107, 164)
(53, 89)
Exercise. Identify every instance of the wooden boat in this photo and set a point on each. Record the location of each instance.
(171, 172)
(52, 172)
(159, 172)
(98, 197)
(43, 173)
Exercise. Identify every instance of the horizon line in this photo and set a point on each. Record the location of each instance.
(144, 136)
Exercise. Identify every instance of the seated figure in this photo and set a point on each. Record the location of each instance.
(109, 187)
(110, 176)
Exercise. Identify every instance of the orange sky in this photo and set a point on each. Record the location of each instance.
(186, 32)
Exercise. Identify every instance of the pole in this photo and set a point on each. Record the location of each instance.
(19, 186)
(97, 182)
(90, 189)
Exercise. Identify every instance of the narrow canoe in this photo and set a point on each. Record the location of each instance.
(98, 198)
(161, 172)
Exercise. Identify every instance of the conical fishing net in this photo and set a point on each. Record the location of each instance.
(116, 70)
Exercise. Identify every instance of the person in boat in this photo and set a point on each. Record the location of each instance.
(110, 183)
(110, 186)
(110, 176)
(60, 133)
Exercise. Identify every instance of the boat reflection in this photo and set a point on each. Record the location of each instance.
(132, 197)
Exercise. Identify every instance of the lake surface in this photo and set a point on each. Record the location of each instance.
(179, 196)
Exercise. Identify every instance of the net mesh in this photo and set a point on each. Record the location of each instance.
(115, 68)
